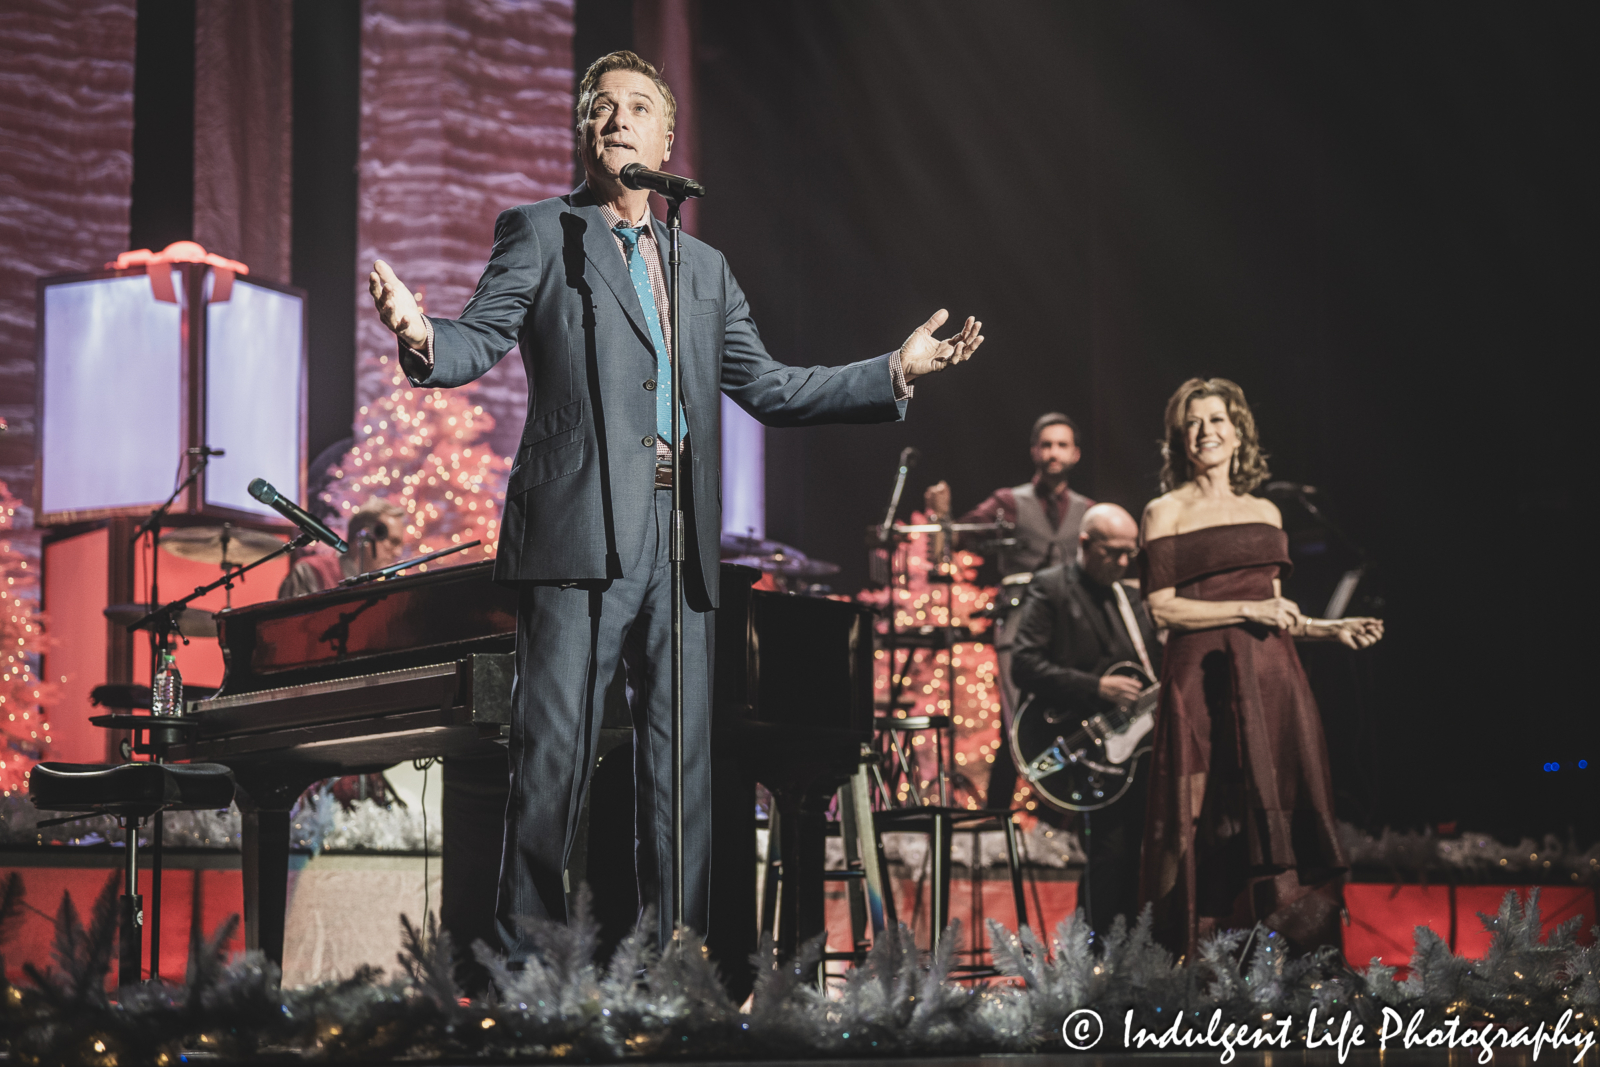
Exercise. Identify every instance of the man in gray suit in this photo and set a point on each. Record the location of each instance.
(578, 284)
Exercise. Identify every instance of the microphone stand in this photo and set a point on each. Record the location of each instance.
(160, 636)
(1328, 524)
(405, 564)
(675, 556)
(1346, 586)
(162, 616)
(161, 622)
(894, 497)
(152, 526)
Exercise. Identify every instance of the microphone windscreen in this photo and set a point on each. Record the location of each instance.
(262, 490)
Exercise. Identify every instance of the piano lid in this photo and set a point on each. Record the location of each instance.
(403, 622)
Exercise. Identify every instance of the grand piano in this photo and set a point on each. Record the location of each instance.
(355, 680)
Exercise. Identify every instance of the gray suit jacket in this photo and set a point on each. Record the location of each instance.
(580, 495)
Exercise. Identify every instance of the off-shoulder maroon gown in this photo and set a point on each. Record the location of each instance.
(1240, 825)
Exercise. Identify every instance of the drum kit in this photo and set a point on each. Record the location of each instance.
(791, 570)
(227, 546)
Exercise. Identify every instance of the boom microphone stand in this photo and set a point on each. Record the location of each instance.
(160, 636)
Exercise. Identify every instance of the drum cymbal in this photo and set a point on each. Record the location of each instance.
(192, 622)
(205, 544)
(788, 566)
(740, 545)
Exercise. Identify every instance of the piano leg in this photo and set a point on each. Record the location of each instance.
(265, 798)
(731, 933)
(266, 879)
(474, 808)
(803, 826)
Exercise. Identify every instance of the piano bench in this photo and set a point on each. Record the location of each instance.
(132, 792)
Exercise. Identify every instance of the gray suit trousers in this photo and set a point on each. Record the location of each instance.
(569, 641)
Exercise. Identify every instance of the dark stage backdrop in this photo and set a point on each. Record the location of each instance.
(1376, 218)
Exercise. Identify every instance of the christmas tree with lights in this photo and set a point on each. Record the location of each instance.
(428, 451)
(962, 682)
(24, 726)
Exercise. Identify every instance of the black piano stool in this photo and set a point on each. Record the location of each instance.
(941, 824)
(132, 792)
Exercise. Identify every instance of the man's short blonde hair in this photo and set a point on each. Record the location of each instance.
(624, 60)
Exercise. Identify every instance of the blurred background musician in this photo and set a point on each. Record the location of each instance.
(376, 534)
(1047, 515)
(1073, 625)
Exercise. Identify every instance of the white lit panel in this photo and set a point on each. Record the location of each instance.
(253, 368)
(111, 431)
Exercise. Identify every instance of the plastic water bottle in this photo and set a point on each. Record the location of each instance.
(166, 695)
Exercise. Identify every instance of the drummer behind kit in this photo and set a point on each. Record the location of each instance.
(1078, 764)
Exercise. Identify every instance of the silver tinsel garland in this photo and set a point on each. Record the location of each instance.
(317, 822)
(565, 1004)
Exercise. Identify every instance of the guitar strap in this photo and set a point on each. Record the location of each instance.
(1132, 624)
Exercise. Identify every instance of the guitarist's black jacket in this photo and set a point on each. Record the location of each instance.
(1068, 632)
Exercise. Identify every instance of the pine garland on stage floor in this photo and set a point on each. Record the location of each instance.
(646, 1005)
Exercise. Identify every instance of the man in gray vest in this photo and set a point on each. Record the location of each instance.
(1047, 516)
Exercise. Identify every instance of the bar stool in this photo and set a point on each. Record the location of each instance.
(132, 792)
(941, 824)
(865, 873)
(892, 730)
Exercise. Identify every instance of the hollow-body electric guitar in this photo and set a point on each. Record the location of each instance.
(1084, 764)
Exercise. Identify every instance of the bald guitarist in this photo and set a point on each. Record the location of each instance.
(1075, 622)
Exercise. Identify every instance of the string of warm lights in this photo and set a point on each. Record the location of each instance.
(24, 724)
(426, 450)
(963, 683)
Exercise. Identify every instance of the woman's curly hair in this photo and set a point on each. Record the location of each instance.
(1249, 467)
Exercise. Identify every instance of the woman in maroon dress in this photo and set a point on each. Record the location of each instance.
(1240, 827)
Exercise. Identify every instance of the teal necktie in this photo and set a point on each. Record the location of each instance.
(647, 304)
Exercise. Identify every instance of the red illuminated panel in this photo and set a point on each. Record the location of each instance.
(1557, 904)
(201, 659)
(75, 584)
(1384, 919)
(209, 895)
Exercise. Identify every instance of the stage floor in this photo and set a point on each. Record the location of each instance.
(1301, 1058)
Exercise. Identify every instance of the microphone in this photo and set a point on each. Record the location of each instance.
(909, 457)
(671, 186)
(1289, 489)
(263, 491)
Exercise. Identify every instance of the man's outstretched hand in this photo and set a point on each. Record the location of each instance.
(921, 354)
(397, 307)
